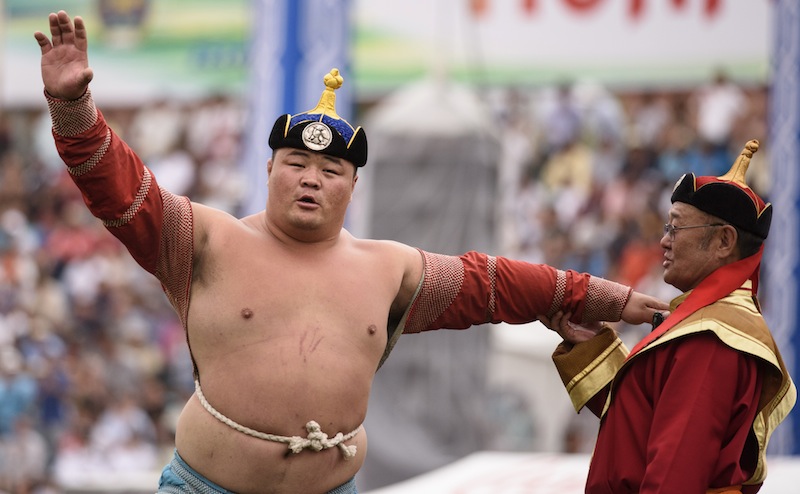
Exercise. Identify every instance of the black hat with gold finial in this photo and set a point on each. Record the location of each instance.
(321, 129)
(728, 197)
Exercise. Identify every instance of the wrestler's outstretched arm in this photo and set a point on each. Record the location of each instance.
(65, 64)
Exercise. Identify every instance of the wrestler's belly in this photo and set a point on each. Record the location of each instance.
(245, 464)
(276, 385)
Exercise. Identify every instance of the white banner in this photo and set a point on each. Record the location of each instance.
(528, 40)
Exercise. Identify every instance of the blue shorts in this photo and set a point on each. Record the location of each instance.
(179, 478)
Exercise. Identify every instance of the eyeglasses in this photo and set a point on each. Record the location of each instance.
(671, 229)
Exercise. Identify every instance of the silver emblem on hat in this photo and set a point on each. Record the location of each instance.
(317, 136)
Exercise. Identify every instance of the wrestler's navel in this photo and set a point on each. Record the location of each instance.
(372, 329)
(247, 313)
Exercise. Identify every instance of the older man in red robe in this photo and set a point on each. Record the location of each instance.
(691, 408)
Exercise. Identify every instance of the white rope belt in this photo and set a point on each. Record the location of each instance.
(316, 439)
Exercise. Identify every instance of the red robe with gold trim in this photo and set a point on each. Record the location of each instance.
(690, 411)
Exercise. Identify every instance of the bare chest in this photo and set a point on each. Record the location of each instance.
(259, 296)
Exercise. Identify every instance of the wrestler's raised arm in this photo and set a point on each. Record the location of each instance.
(65, 64)
(154, 225)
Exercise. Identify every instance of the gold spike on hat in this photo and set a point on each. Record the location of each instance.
(739, 169)
(327, 101)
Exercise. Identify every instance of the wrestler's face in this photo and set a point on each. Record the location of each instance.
(689, 254)
(309, 192)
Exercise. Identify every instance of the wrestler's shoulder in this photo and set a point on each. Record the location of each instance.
(379, 247)
(204, 213)
(214, 226)
(389, 257)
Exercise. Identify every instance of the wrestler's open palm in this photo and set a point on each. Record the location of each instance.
(65, 63)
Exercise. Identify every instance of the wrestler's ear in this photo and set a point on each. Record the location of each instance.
(353, 188)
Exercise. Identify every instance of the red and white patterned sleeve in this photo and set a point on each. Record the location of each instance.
(474, 288)
(153, 224)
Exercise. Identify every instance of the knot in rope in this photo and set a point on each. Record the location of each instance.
(318, 440)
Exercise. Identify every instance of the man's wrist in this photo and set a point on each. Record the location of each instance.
(72, 117)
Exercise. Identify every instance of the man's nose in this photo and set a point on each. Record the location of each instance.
(310, 178)
(665, 241)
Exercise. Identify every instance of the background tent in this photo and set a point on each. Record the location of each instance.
(431, 180)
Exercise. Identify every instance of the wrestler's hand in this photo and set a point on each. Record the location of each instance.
(569, 331)
(65, 64)
(641, 308)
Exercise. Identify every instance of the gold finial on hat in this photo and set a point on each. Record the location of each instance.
(327, 102)
(737, 172)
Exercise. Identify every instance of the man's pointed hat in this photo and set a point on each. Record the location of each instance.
(321, 129)
(728, 197)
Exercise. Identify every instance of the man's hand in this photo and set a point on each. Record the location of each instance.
(570, 332)
(65, 64)
(641, 308)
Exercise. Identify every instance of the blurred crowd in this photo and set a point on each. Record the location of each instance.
(93, 362)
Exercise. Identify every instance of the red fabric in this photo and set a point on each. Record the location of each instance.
(474, 303)
(538, 283)
(110, 188)
(679, 421)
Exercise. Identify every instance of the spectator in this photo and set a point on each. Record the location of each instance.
(718, 106)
